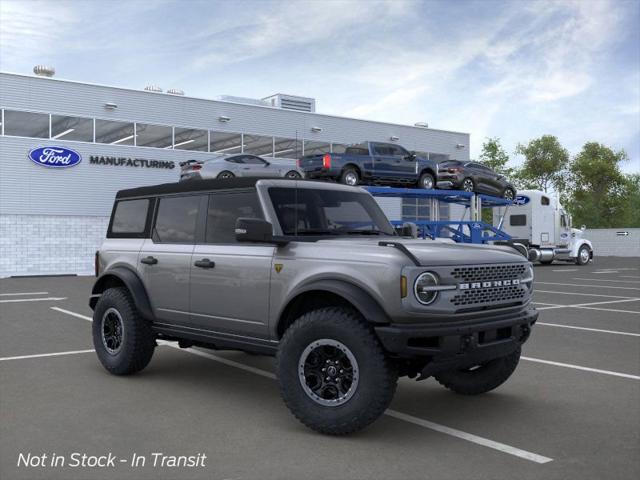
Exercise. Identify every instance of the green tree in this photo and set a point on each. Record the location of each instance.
(545, 164)
(495, 157)
(630, 216)
(598, 193)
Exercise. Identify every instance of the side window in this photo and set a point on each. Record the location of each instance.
(380, 149)
(130, 218)
(518, 220)
(176, 219)
(544, 201)
(235, 160)
(252, 160)
(398, 151)
(563, 220)
(225, 209)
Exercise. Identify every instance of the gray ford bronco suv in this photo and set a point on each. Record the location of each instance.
(314, 274)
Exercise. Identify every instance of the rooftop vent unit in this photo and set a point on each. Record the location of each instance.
(245, 100)
(153, 88)
(421, 124)
(44, 71)
(292, 102)
(175, 91)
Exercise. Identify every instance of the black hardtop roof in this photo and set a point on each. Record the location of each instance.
(189, 186)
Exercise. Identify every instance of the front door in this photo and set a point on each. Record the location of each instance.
(230, 281)
(165, 259)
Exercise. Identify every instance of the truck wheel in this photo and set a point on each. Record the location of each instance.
(123, 340)
(468, 185)
(333, 373)
(426, 181)
(583, 255)
(350, 177)
(225, 174)
(481, 378)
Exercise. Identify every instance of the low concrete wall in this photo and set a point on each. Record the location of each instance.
(609, 242)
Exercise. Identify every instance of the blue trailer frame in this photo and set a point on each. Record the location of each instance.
(461, 231)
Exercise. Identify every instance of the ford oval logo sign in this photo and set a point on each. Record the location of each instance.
(521, 200)
(55, 157)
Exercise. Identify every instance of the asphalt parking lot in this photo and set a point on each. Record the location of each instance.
(571, 410)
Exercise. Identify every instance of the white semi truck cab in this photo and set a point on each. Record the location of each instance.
(538, 222)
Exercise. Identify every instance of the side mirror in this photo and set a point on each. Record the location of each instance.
(408, 229)
(255, 230)
(266, 164)
(411, 156)
(583, 228)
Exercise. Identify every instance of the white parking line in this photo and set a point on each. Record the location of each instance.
(636, 282)
(587, 286)
(607, 271)
(580, 367)
(566, 270)
(47, 299)
(40, 355)
(615, 332)
(533, 457)
(23, 293)
(629, 276)
(611, 310)
(585, 294)
(586, 305)
(73, 314)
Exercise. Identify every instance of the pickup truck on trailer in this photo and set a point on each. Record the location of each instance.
(372, 162)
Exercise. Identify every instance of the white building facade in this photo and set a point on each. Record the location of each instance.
(53, 219)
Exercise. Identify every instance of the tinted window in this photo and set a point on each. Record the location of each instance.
(176, 219)
(382, 150)
(518, 220)
(26, 124)
(544, 200)
(357, 151)
(325, 212)
(250, 159)
(130, 216)
(397, 151)
(225, 209)
(235, 160)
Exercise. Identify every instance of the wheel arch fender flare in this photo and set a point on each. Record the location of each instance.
(579, 244)
(363, 301)
(132, 281)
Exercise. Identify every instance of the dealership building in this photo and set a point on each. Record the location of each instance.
(53, 219)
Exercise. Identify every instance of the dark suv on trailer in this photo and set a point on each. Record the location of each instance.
(315, 274)
(474, 177)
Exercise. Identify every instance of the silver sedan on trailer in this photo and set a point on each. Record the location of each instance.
(242, 165)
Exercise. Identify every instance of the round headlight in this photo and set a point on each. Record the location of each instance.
(422, 288)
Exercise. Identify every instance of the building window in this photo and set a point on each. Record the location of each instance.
(72, 128)
(114, 133)
(225, 143)
(26, 124)
(316, 148)
(191, 139)
(258, 145)
(157, 136)
(287, 148)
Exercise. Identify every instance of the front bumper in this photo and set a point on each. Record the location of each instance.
(460, 345)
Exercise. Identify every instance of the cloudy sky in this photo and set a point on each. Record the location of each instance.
(515, 70)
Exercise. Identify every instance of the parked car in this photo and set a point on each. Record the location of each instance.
(372, 162)
(243, 165)
(474, 177)
(314, 274)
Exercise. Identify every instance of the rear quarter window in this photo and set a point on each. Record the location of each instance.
(130, 218)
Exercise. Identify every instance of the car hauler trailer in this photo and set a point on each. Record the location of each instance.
(539, 222)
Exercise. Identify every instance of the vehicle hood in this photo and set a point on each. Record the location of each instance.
(433, 252)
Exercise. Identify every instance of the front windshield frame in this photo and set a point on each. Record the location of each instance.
(317, 222)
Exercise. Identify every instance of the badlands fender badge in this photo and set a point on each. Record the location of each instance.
(278, 267)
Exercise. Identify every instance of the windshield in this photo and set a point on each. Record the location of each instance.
(306, 211)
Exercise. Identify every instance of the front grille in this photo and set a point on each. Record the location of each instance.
(482, 273)
(513, 293)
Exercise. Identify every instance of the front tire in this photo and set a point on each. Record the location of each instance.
(293, 175)
(123, 340)
(509, 194)
(482, 378)
(427, 181)
(468, 185)
(584, 255)
(358, 381)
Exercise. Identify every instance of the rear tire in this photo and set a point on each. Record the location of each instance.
(481, 379)
(123, 340)
(349, 398)
(225, 174)
(350, 177)
(427, 181)
(293, 175)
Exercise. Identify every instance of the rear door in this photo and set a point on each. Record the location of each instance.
(229, 280)
(165, 258)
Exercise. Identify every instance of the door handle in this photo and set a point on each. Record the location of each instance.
(204, 263)
(149, 260)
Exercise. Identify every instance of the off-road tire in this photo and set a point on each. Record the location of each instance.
(424, 178)
(138, 341)
(377, 380)
(483, 379)
(579, 260)
(348, 173)
(225, 174)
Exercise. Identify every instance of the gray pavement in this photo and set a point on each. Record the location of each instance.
(576, 417)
